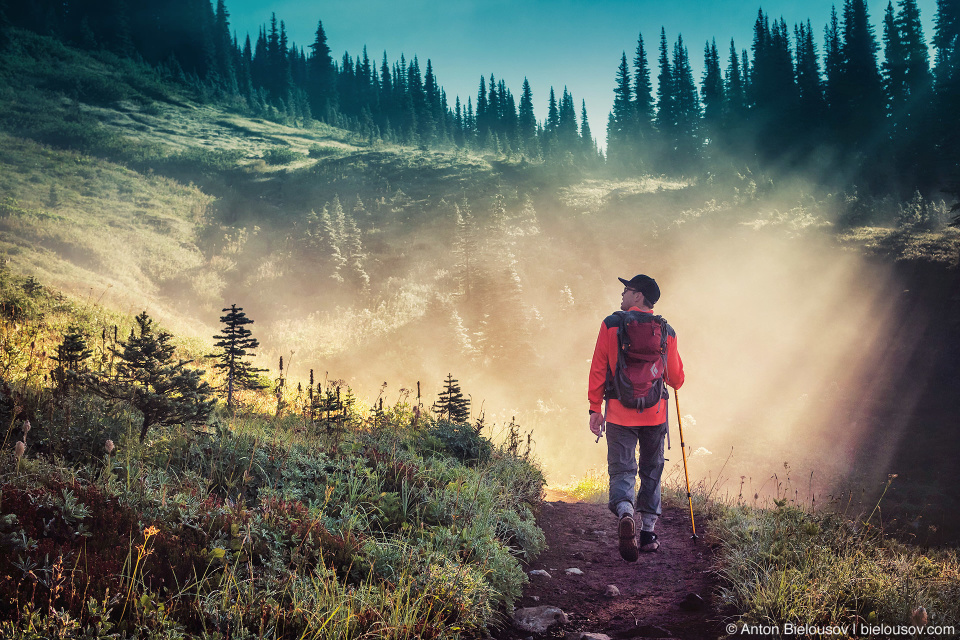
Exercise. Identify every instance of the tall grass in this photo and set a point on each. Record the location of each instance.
(259, 524)
(784, 562)
(789, 562)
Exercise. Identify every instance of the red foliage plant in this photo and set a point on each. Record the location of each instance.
(68, 566)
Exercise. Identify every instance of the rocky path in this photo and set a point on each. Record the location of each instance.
(666, 594)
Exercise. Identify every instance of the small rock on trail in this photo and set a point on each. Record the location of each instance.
(664, 594)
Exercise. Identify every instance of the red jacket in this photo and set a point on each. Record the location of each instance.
(605, 363)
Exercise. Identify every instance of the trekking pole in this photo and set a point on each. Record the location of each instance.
(686, 475)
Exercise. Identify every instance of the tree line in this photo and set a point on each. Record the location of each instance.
(876, 113)
(883, 122)
(388, 101)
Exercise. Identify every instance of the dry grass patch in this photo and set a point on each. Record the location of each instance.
(941, 247)
(590, 196)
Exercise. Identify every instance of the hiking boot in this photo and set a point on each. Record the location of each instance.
(648, 541)
(627, 532)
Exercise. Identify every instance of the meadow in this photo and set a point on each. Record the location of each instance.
(371, 269)
(289, 517)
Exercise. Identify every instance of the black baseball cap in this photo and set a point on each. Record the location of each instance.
(645, 285)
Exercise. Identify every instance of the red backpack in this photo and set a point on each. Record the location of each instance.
(638, 382)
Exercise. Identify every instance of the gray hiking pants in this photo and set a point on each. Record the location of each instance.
(622, 465)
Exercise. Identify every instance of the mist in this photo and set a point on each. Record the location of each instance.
(785, 336)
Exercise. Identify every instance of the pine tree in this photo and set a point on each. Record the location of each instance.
(712, 91)
(527, 123)
(917, 76)
(643, 89)
(549, 142)
(244, 78)
(224, 50)
(482, 114)
(553, 114)
(809, 85)
(72, 354)
(894, 63)
(621, 136)
(946, 40)
(321, 78)
(431, 107)
(259, 66)
(687, 134)
(275, 62)
(735, 103)
(833, 71)
(666, 120)
(587, 143)
(355, 255)
(567, 132)
(861, 88)
(774, 96)
(147, 376)
(335, 231)
(494, 111)
(236, 343)
(510, 119)
(451, 404)
(470, 125)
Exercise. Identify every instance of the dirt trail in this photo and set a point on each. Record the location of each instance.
(654, 600)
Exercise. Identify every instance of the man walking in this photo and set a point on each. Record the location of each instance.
(644, 421)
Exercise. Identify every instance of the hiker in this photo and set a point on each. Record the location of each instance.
(653, 347)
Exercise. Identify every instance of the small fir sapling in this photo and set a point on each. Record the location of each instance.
(147, 376)
(71, 358)
(237, 343)
(452, 405)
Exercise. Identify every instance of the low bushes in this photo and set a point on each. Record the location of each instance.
(788, 565)
(252, 526)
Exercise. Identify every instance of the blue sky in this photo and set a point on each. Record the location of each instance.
(558, 43)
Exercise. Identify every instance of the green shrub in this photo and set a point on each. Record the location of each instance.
(281, 155)
(460, 440)
(199, 159)
(323, 151)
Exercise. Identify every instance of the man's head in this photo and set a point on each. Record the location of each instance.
(639, 291)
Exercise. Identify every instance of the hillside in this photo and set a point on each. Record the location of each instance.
(119, 185)
(818, 332)
(385, 264)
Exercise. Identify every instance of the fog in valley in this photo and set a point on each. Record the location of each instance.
(790, 342)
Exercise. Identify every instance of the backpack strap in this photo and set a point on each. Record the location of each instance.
(663, 355)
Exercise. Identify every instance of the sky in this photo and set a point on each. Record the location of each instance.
(575, 44)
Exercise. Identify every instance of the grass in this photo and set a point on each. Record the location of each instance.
(259, 524)
(593, 487)
(935, 247)
(793, 564)
(192, 213)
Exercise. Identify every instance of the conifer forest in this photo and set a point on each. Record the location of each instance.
(874, 108)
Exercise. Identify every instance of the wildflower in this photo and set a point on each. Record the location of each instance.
(20, 448)
(26, 428)
(150, 531)
(108, 446)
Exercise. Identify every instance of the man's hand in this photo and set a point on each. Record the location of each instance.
(596, 423)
